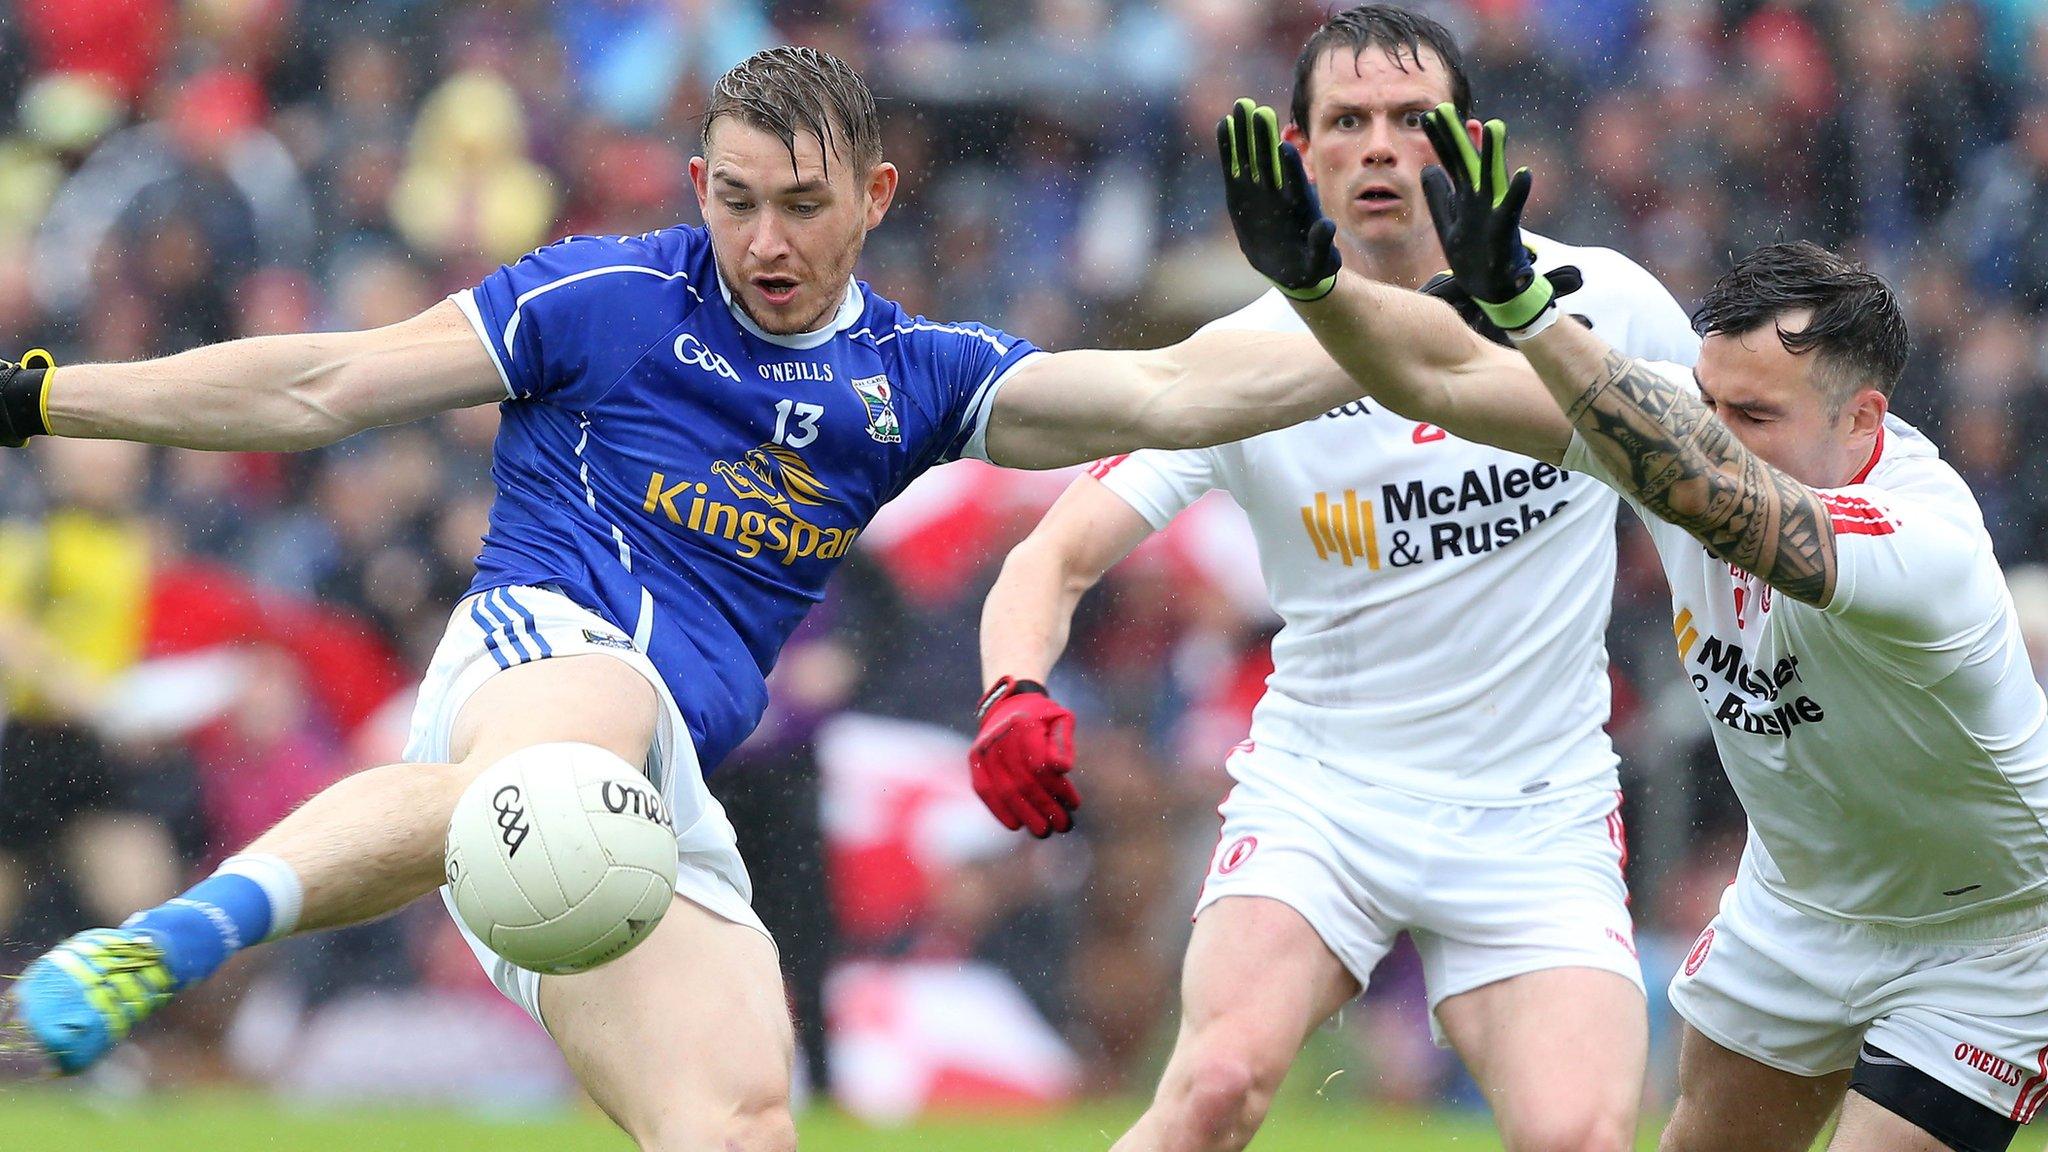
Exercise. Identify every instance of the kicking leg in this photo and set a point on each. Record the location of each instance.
(685, 1041)
(1730, 1103)
(1559, 1054)
(371, 844)
(1257, 981)
(365, 847)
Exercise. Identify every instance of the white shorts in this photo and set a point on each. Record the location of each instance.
(506, 627)
(1964, 1002)
(1485, 893)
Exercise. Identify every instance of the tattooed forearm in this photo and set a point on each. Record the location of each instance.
(1667, 449)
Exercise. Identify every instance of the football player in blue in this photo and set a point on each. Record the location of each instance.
(696, 425)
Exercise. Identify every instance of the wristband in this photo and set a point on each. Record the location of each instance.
(1523, 310)
(1536, 327)
(1002, 690)
(1310, 294)
(25, 398)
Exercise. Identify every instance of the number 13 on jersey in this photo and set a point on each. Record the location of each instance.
(806, 422)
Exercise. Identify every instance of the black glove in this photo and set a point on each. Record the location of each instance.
(1279, 222)
(1565, 279)
(1477, 210)
(21, 398)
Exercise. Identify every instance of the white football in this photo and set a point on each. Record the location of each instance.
(561, 857)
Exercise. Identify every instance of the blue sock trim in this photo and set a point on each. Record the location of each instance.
(218, 917)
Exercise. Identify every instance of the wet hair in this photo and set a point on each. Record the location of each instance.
(1398, 32)
(1857, 331)
(789, 90)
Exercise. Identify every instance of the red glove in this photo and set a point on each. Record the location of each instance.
(1022, 757)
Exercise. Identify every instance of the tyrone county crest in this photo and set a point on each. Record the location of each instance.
(879, 398)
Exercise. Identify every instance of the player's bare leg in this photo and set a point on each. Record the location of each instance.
(1256, 982)
(372, 843)
(1870, 1127)
(1730, 1103)
(366, 846)
(685, 1041)
(1560, 1055)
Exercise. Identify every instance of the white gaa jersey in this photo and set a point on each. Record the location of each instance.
(1444, 603)
(1891, 750)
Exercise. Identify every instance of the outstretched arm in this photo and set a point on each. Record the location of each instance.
(1660, 442)
(1214, 387)
(1407, 350)
(279, 393)
(1665, 448)
(1412, 353)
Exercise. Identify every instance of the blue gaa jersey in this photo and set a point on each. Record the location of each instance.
(667, 464)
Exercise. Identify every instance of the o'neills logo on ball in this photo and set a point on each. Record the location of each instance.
(1698, 955)
(623, 798)
(1240, 850)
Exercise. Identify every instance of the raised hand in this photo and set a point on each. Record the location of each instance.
(1477, 209)
(1273, 208)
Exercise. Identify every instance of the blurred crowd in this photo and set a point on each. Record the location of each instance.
(191, 644)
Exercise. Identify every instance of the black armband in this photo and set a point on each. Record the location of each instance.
(21, 401)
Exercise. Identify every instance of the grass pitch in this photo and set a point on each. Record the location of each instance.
(33, 1119)
(43, 1119)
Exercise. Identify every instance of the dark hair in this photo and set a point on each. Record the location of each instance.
(1857, 330)
(789, 89)
(1396, 31)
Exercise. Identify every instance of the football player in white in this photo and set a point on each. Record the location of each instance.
(1843, 620)
(1429, 754)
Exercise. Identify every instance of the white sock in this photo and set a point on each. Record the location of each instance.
(278, 881)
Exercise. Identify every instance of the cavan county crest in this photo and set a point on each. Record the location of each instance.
(874, 391)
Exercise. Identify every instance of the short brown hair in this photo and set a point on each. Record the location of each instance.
(789, 89)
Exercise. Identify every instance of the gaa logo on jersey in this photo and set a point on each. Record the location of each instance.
(879, 400)
(1233, 857)
(694, 352)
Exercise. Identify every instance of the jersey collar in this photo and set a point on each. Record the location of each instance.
(850, 307)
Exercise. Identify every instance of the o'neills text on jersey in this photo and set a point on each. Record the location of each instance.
(795, 371)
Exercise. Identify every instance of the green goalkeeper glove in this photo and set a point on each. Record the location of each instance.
(1273, 208)
(1565, 279)
(1477, 209)
(24, 398)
